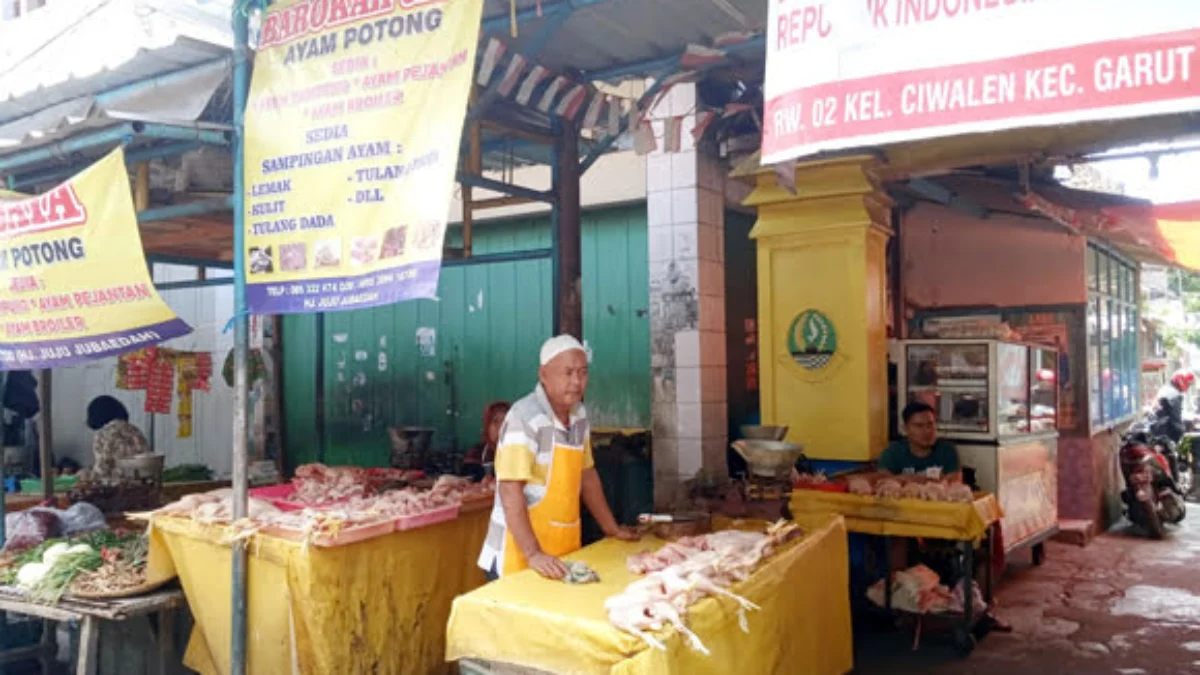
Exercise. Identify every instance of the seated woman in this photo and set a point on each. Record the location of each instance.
(921, 449)
(479, 459)
(115, 437)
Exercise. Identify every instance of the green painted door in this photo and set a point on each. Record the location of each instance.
(439, 363)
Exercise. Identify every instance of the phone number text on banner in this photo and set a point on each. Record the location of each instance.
(74, 277)
(352, 134)
(859, 73)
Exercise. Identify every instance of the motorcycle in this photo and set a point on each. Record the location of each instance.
(1152, 494)
(1180, 462)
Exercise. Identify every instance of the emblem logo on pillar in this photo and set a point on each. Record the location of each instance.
(812, 340)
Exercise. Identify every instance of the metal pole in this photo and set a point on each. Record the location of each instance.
(3, 491)
(46, 434)
(241, 336)
(568, 222)
(555, 233)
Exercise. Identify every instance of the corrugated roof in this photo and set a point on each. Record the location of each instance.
(55, 63)
(607, 34)
(66, 51)
(180, 99)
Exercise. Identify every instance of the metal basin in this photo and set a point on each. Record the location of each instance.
(772, 459)
(410, 446)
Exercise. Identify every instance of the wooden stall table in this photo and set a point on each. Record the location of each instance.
(524, 623)
(173, 492)
(89, 614)
(375, 606)
(967, 524)
(14, 502)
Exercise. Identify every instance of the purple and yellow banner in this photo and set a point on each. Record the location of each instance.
(353, 125)
(74, 285)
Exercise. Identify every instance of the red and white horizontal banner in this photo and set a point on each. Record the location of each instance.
(859, 73)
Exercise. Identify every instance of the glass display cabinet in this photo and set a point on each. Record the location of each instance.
(998, 402)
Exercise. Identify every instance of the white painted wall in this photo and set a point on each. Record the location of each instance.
(206, 310)
(616, 178)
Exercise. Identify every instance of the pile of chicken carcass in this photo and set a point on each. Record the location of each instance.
(332, 517)
(316, 484)
(682, 573)
(911, 487)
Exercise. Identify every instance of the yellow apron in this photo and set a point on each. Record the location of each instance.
(555, 519)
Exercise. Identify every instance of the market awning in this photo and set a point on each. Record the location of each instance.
(1173, 228)
(155, 73)
(1155, 233)
(68, 50)
(178, 99)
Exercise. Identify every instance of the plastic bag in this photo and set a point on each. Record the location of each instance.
(29, 528)
(82, 518)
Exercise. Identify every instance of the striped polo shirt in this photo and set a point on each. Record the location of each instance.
(525, 453)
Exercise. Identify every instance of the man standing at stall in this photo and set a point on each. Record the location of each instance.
(544, 465)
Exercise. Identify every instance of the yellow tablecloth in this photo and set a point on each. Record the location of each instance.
(377, 606)
(803, 627)
(903, 517)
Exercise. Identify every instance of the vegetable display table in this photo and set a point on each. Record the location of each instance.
(89, 614)
(375, 606)
(524, 622)
(969, 525)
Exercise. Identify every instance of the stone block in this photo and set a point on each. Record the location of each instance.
(713, 348)
(659, 209)
(658, 172)
(691, 420)
(685, 241)
(661, 244)
(683, 169)
(685, 207)
(687, 384)
(687, 349)
(1076, 532)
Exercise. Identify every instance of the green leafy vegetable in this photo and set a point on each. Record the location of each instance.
(187, 473)
(52, 586)
(8, 575)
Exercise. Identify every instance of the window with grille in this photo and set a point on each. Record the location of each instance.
(1112, 321)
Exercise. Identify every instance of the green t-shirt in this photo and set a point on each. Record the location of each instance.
(898, 458)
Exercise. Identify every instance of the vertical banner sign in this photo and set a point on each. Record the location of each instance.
(74, 284)
(353, 125)
(859, 73)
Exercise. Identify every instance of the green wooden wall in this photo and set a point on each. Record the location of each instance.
(489, 321)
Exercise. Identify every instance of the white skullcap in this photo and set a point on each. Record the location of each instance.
(561, 344)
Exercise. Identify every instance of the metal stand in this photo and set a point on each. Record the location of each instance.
(964, 638)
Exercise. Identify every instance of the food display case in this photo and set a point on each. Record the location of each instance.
(998, 402)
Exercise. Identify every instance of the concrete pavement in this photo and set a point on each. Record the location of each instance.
(1124, 605)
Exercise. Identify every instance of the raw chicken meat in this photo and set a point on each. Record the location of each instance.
(319, 484)
(817, 478)
(860, 486)
(888, 488)
(216, 506)
(686, 571)
(677, 551)
(960, 493)
(934, 492)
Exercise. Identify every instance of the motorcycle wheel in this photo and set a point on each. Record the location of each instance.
(1145, 515)
(1185, 481)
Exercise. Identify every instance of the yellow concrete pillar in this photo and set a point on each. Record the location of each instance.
(822, 304)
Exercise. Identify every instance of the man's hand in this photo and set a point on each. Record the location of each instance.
(547, 565)
(624, 534)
